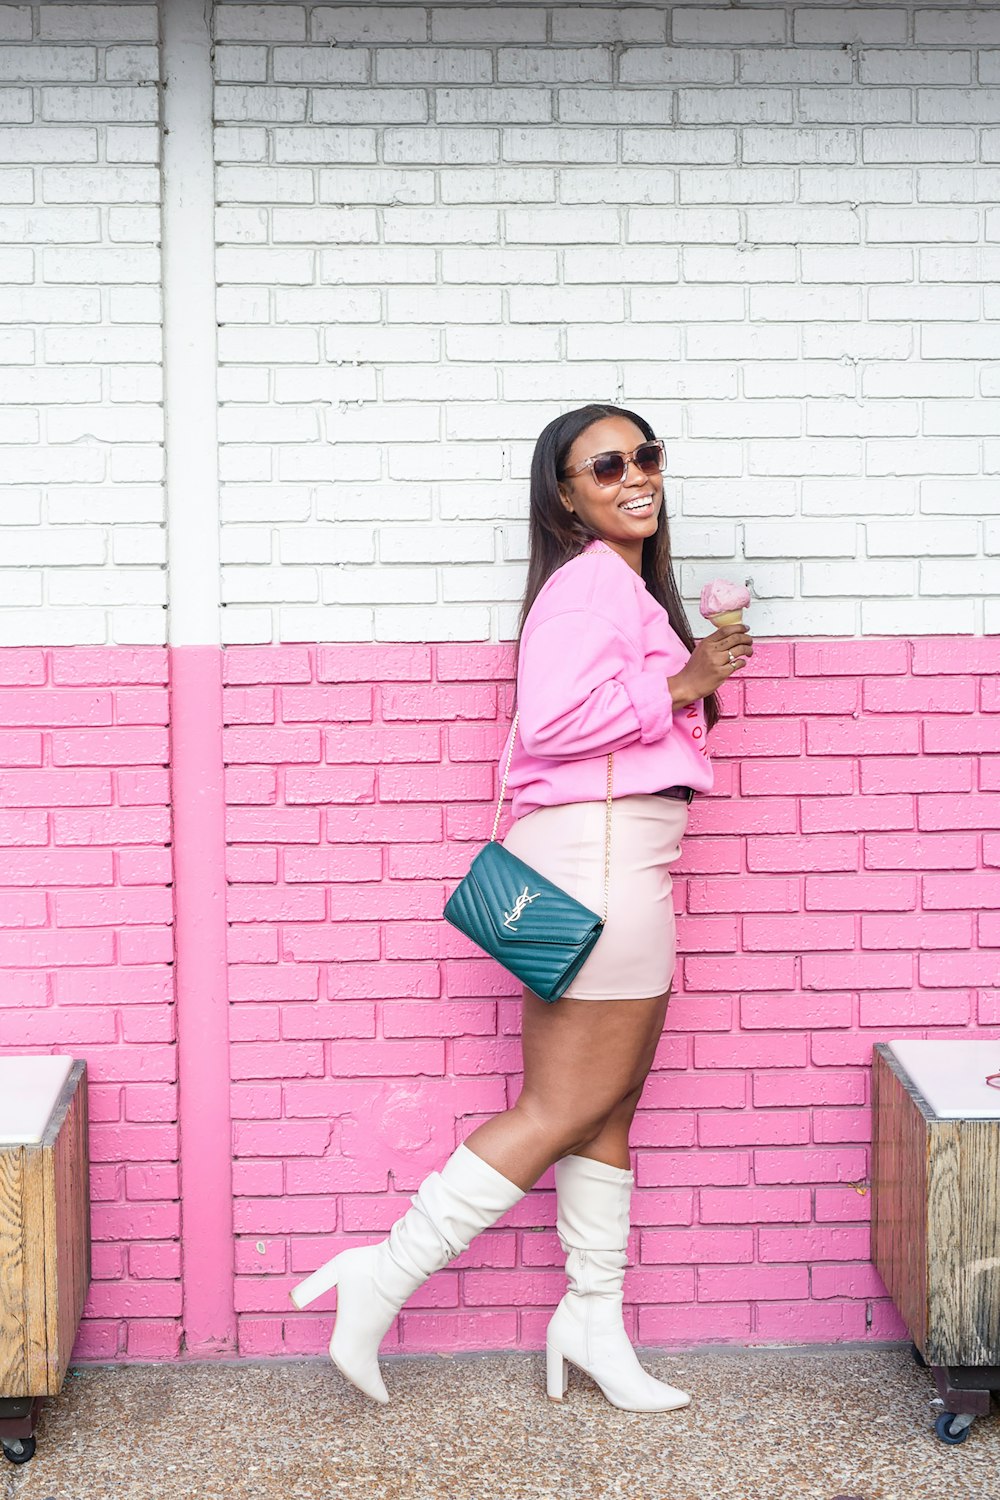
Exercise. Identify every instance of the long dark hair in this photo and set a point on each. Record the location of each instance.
(556, 534)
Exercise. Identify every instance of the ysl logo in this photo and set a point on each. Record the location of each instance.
(511, 917)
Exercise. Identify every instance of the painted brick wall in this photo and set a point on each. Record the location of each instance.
(839, 888)
(86, 949)
(771, 229)
(81, 433)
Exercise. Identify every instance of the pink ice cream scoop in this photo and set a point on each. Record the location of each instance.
(723, 602)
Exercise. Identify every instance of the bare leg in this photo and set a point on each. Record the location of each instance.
(585, 1062)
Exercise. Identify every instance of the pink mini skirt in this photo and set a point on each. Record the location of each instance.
(634, 956)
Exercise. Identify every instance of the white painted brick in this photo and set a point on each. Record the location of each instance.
(735, 105)
(100, 264)
(498, 185)
(444, 147)
(618, 107)
(47, 64)
(554, 65)
(41, 305)
(17, 346)
(247, 627)
(858, 497)
(42, 385)
(560, 226)
(677, 381)
(241, 64)
(721, 419)
(439, 226)
(689, 225)
(53, 547)
(799, 539)
(327, 305)
(235, 384)
(914, 65)
(562, 304)
(324, 145)
(17, 186)
(139, 546)
(369, 23)
(393, 502)
(918, 145)
(102, 505)
(268, 265)
(953, 184)
(502, 344)
(104, 424)
(856, 263)
(433, 65)
(989, 69)
(260, 23)
(498, 264)
(871, 24)
(968, 578)
(690, 24)
(378, 186)
(957, 27)
(740, 341)
(449, 623)
(716, 497)
(339, 225)
(860, 106)
(924, 304)
(855, 185)
(436, 544)
(806, 146)
(367, 424)
(619, 263)
(949, 106)
(677, 65)
(331, 383)
(97, 23)
(722, 263)
(320, 65)
(555, 145)
(85, 102)
(803, 617)
(16, 106)
(953, 225)
(573, 23)
(268, 424)
(37, 465)
(955, 496)
(384, 345)
(861, 419)
(301, 624)
(464, 502)
(925, 378)
(494, 23)
(19, 426)
(805, 303)
(808, 456)
(747, 185)
(100, 185)
(932, 618)
(20, 590)
(689, 304)
(902, 456)
(245, 544)
(795, 65)
(464, 461)
(696, 146)
(135, 383)
(269, 346)
(123, 143)
(264, 503)
(558, 382)
(502, 582)
(269, 585)
(443, 305)
(493, 106)
(249, 102)
(108, 586)
(15, 23)
(856, 341)
(131, 64)
(368, 586)
(136, 304)
(47, 143)
(959, 418)
(17, 265)
(135, 465)
(244, 463)
(379, 263)
(51, 627)
(627, 185)
(858, 578)
(362, 106)
(922, 539)
(241, 226)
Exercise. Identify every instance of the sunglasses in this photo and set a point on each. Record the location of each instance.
(611, 468)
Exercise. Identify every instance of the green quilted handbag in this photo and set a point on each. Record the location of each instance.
(530, 926)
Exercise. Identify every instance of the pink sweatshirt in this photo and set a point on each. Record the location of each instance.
(595, 656)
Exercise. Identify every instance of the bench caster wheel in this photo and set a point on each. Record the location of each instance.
(952, 1429)
(19, 1450)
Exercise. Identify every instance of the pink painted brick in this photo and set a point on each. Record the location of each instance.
(327, 1022)
(674, 1206)
(373, 664)
(150, 1102)
(265, 903)
(989, 695)
(23, 909)
(743, 895)
(21, 666)
(341, 862)
(770, 659)
(109, 747)
(859, 1281)
(758, 1283)
(843, 1205)
(696, 1246)
(952, 735)
(857, 971)
(899, 736)
(836, 1126)
(754, 1128)
(951, 892)
(244, 864)
(50, 949)
(390, 981)
(701, 1322)
(798, 854)
(700, 1013)
(353, 784)
(841, 1049)
(74, 666)
(421, 783)
(802, 697)
(270, 982)
(55, 708)
(767, 815)
(54, 788)
(155, 1262)
(248, 705)
(952, 969)
(254, 1023)
(21, 990)
(328, 705)
(429, 1332)
(791, 1165)
(48, 867)
(750, 1051)
(804, 1012)
(478, 742)
(707, 855)
(808, 1088)
(274, 746)
(22, 828)
(112, 908)
(918, 930)
(691, 1168)
(473, 663)
(670, 1130)
(113, 987)
(808, 778)
(956, 655)
(778, 934)
(377, 825)
(146, 945)
(746, 737)
(20, 747)
(143, 788)
(754, 1205)
(856, 814)
(748, 972)
(810, 1322)
(919, 695)
(434, 702)
(989, 929)
(707, 934)
(391, 901)
(323, 944)
(867, 658)
(991, 850)
(142, 706)
(926, 851)
(415, 861)
(431, 1020)
(278, 825)
(145, 866)
(975, 811)
(79, 1028)
(250, 784)
(384, 745)
(709, 1090)
(860, 893)
(267, 664)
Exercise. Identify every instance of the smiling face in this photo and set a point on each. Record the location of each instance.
(623, 515)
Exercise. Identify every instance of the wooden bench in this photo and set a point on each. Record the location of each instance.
(936, 1213)
(44, 1235)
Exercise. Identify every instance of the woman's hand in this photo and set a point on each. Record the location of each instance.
(712, 661)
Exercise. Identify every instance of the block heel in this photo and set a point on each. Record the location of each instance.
(556, 1374)
(315, 1285)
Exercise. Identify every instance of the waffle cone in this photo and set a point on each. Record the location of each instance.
(727, 617)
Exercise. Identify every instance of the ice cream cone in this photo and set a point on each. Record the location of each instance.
(727, 617)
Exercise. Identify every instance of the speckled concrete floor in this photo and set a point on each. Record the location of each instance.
(765, 1424)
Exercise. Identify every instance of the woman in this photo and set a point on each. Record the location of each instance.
(606, 665)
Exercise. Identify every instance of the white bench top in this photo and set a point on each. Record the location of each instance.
(29, 1088)
(951, 1076)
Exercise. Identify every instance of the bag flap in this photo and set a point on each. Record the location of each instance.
(522, 906)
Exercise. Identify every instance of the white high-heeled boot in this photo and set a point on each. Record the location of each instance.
(449, 1209)
(587, 1329)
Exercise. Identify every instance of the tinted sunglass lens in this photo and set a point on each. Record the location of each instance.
(609, 468)
(649, 458)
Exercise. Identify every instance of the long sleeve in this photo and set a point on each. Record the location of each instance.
(583, 690)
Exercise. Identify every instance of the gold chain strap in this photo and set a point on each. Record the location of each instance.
(607, 817)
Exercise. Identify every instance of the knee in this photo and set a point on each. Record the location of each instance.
(566, 1129)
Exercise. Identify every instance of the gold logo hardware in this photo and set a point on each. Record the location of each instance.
(523, 900)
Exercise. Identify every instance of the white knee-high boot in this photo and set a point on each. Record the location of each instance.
(587, 1328)
(449, 1209)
